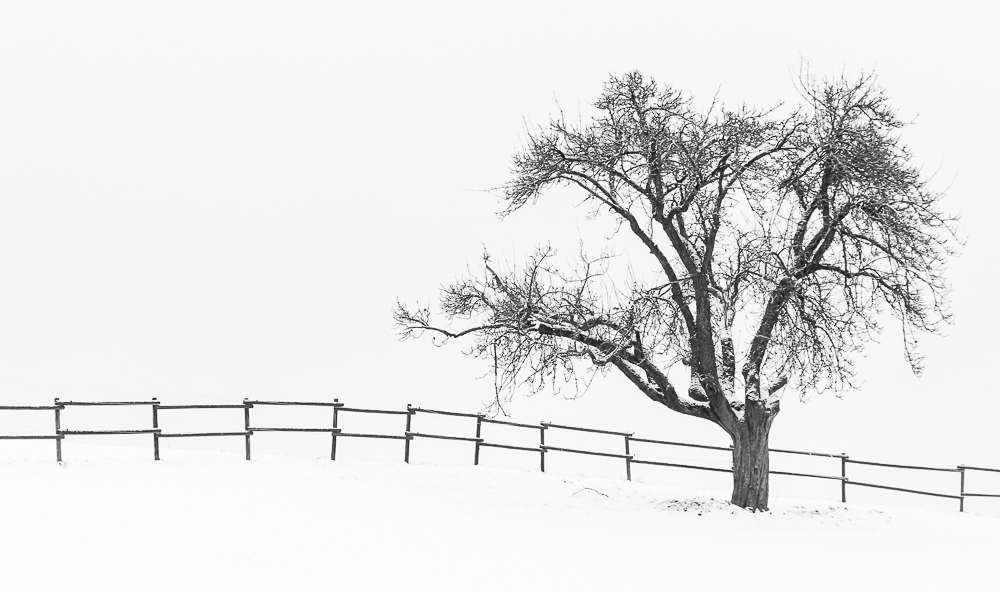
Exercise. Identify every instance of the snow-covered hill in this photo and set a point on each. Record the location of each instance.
(198, 521)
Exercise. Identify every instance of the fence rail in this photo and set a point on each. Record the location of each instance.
(894, 466)
(442, 437)
(105, 403)
(380, 411)
(825, 454)
(508, 446)
(409, 435)
(590, 452)
(27, 407)
(201, 406)
(321, 430)
(813, 475)
(968, 468)
(195, 434)
(591, 430)
(508, 423)
(300, 403)
(386, 436)
(931, 493)
(660, 463)
(46, 437)
(412, 409)
(685, 444)
(106, 432)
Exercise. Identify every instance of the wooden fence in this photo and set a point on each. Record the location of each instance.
(409, 435)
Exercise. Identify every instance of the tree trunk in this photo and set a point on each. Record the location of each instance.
(750, 459)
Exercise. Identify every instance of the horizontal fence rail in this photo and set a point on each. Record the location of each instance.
(28, 407)
(590, 452)
(32, 437)
(968, 468)
(105, 403)
(815, 476)
(591, 430)
(412, 409)
(442, 437)
(106, 432)
(408, 435)
(508, 446)
(57, 437)
(386, 436)
(931, 493)
(824, 454)
(201, 406)
(685, 444)
(198, 434)
(659, 463)
(300, 403)
(895, 466)
(509, 423)
(321, 430)
(380, 411)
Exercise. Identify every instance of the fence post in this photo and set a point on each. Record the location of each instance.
(246, 423)
(406, 451)
(333, 448)
(541, 438)
(58, 428)
(479, 428)
(843, 480)
(156, 437)
(628, 461)
(961, 488)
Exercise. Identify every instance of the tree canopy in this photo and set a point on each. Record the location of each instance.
(801, 226)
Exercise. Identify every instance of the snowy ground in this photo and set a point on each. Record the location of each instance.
(200, 521)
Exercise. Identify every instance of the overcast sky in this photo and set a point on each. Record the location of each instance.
(210, 201)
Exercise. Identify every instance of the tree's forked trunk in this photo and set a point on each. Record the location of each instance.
(751, 464)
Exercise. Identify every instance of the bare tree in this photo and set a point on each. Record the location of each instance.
(799, 230)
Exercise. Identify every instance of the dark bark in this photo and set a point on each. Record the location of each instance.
(800, 227)
(751, 463)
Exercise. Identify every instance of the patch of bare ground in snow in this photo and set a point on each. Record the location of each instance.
(699, 506)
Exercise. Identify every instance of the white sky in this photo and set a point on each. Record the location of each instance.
(213, 201)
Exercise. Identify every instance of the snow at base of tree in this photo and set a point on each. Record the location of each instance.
(198, 521)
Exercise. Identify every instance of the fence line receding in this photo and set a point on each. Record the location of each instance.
(408, 435)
